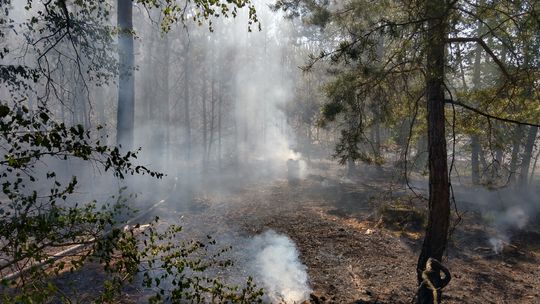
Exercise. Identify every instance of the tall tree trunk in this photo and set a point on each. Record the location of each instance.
(220, 105)
(516, 147)
(483, 161)
(205, 120)
(187, 118)
(236, 135)
(497, 128)
(475, 140)
(376, 133)
(402, 140)
(533, 169)
(212, 111)
(498, 160)
(164, 106)
(352, 146)
(527, 156)
(531, 135)
(81, 98)
(377, 113)
(148, 68)
(126, 84)
(377, 138)
(475, 159)
(351, 167)
(102, 120)
(439, 202)
(421, 156)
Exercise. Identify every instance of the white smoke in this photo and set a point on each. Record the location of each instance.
(510, 218)
(497, 243)
(278, 268)
(515, 216)
(505, 210)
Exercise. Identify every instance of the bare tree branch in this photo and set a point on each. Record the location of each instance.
(477, 111)
(485, 47)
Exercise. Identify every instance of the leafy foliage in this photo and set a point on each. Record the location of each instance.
(200, 11)
(33, 221)
(187, 270)
(377, 67)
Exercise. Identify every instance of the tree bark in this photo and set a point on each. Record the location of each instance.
(421, 156)
(497, 128)
(533, 169)
(527, 156)
(516, 147)
(475, 140)
(475, 159)
(126, 84)
(531, 135)
(439, 204)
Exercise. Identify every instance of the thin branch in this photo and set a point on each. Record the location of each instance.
(477, 111)
(486, 48)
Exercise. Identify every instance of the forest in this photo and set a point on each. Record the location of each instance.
(270, 151)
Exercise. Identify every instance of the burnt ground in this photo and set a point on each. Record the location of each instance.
(352, 252)
(354, 256)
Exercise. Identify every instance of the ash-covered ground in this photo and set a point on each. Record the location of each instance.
(336, 239)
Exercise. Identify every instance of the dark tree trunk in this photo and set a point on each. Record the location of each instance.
(533, 169)
(476, 148)
(402, 142)
(531, 135)
(475, 159)
(527, 156)
(498, 160)
(439, 204)
(351, 167)
(516, 147)
(126, 86)
(421, 154)
(483, 162)
(376, 135)
(498, 165)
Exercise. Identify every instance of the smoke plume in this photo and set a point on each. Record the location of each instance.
(279, 269)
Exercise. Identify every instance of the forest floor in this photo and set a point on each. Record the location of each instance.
(353, 253)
